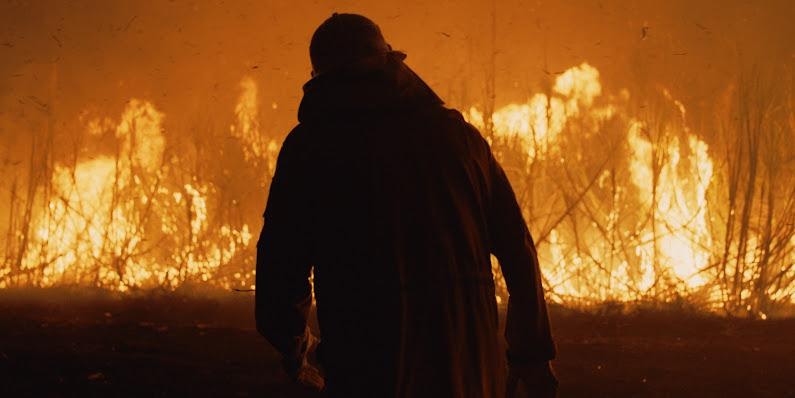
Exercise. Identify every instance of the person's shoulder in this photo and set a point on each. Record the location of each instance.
(456, 121)
(298, 136)
(297, 133)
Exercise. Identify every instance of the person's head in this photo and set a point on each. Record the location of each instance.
(346, 41)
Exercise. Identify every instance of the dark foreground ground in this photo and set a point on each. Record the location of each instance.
(58, 344)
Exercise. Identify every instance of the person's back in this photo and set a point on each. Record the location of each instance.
(397, 202)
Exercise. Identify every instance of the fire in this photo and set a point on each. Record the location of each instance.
(626, 203)
(668, 251)
(247, 129)
(681, 207)
(108, 216)
(86, 218)
(538, 122)
(80, 226)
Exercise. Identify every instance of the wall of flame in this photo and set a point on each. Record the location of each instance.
(625, 202)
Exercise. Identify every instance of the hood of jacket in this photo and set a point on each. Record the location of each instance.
(393, 86)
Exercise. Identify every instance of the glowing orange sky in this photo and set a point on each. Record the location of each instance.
(188, 55)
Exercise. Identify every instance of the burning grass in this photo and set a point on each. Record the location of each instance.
(627, 202)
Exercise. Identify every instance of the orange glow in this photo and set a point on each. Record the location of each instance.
(101, 213)
(671, 243)
(650, 160)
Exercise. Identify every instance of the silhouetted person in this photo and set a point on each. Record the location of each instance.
(397, 203)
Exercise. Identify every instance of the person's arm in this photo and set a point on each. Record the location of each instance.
(527, 330)
(283, 293)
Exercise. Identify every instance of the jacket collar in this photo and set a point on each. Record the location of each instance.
(391, 87)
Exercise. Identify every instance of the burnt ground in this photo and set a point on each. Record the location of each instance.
(58, 343)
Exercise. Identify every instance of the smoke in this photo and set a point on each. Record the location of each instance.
(187, 56)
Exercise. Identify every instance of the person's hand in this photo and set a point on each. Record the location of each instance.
(535, 379)
(305, 372)
(309, 376)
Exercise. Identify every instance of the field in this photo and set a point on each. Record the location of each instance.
(56, 343)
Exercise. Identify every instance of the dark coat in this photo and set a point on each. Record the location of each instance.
(398, 203)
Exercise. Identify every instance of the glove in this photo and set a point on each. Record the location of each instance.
(534, 379)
